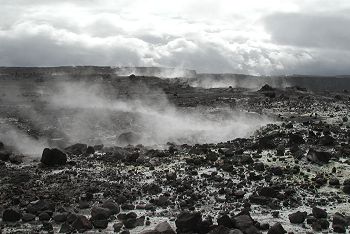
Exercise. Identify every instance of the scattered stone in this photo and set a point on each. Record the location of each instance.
(53, 157)
(82, 224)
(319, 157)
(277, 228)
(164, 228)
(112, 206)
(76, 149)
(11, 215)
(319, 213)
(27, 217)
(297, 217)
(187, 222)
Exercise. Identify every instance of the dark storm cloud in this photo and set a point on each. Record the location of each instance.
(324, 31)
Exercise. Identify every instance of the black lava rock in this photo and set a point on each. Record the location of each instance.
(188, 222)
(277, 228)
(53, 157)
(297, 217)
(319, 213)
(11, 215)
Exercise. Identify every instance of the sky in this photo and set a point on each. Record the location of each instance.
(270, 37)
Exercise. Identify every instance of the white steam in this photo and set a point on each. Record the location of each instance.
(156, 121)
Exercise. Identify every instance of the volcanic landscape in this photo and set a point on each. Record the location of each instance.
(161, 151)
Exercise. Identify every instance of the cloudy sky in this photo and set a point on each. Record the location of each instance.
(218, 36)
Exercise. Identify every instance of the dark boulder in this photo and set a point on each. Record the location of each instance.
(226, 221)
(100, 224)
(319, 157)
(76, 149)
(27, 217)
(346, 189)
(4, 155)
(243, 222)
(296, 139)
(81, 224)
(39, 206)
(319, 213)
(164, 228)
(11, 215)
(277, 228)
(112, 206)
(266, 87)
(53, 157)
(188, 222)
(100, 213)
(90, 150)
(297, 217)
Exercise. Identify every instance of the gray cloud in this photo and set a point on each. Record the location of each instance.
(255, 37)
(324, 31)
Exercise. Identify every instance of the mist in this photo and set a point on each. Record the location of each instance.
(236, 81)
(152, 118)
(93, 112)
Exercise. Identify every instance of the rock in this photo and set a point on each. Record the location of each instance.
(66, 228)
(47, 227)
(297, 217)
(268, 192)
(225, 230)
(4, 155)
(90, 150)
(16, 158)
(277, 228)
(100, 213)
(266, 87)
(346, 189)
(327, 141)
(112, 206)
(130, 223)
(296, 139)
(334, 181)
(53, 157)
(100, 224)
(339, 219)
(319, 157)
(76, 149)
(39, 206)
(11, 215)
(152, 188)
(243, 222)
(1, 145)
(226, 221)
(187, 222)
(131, 158)
(44, 216)
(117, 226)
(171, 176)
(319, 213)
(316, 226)
(339, 228)
(82, 224)
(60, 217)
(27, 217)
(164, 228)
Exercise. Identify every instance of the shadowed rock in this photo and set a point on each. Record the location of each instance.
(53, 157)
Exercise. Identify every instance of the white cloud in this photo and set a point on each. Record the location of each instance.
(251, 36)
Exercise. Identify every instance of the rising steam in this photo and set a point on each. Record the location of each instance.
(95, 113)
(155, 121)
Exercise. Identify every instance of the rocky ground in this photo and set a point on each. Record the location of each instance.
(291, 176)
